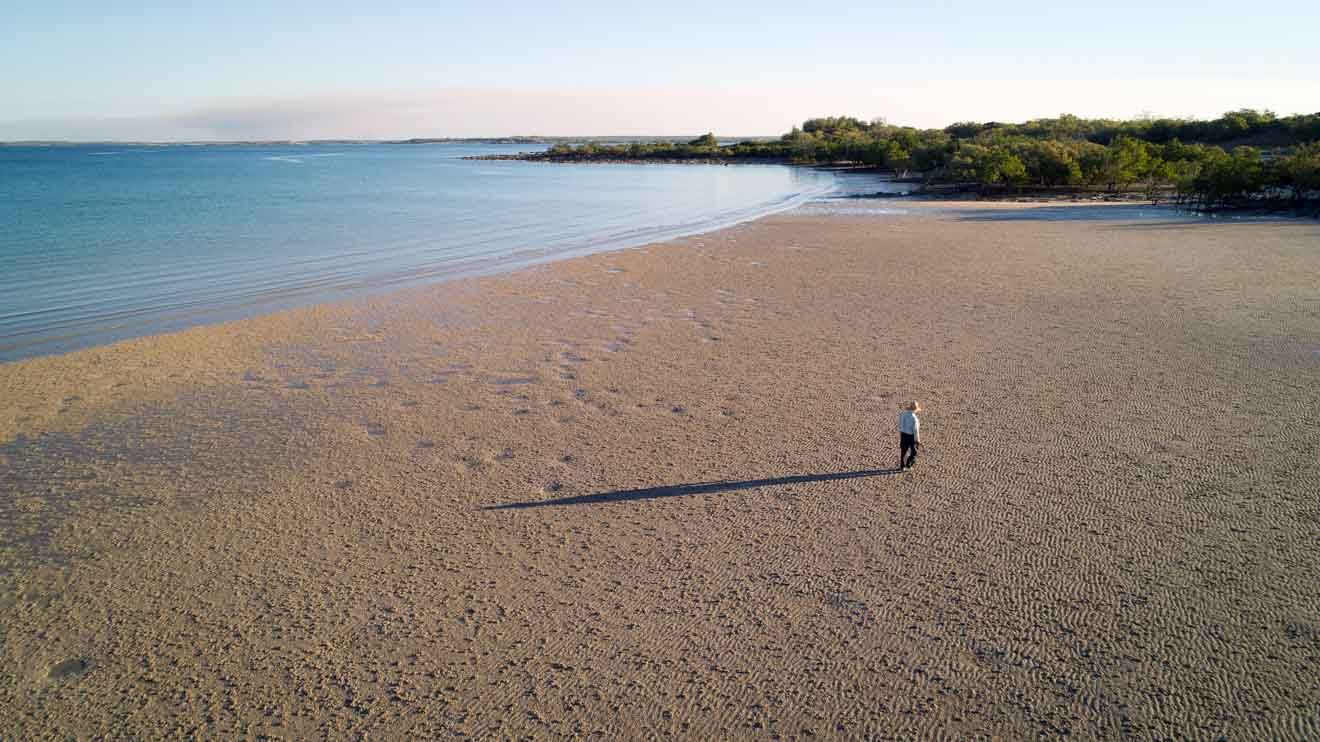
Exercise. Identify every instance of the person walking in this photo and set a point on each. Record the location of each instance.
(909, 435)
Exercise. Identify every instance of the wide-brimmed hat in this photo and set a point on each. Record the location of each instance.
(914, 406)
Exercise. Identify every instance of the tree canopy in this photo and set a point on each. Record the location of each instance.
(1241, 153)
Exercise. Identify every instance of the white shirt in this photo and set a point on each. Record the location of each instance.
(908, 423)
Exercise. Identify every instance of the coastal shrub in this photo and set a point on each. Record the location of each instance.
(1304, 128)
(1299, 172)
(1049, 162)
(1066, 151)
(1225, 176)
(705, 140)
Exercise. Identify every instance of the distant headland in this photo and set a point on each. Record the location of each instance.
(1243, 159)
(513, 140)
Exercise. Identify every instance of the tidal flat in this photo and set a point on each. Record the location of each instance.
(650, 493)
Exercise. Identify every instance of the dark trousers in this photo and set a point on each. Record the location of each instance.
(906, 443)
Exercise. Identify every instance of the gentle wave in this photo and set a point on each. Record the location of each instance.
(300, 159)
(204, 233)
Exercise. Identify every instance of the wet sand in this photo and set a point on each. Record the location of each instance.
(649, 494)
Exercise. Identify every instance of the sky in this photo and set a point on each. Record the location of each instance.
(181, 70)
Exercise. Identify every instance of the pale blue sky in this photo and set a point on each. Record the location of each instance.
(302, 69)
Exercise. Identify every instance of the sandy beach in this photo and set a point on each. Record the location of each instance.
(650, 494)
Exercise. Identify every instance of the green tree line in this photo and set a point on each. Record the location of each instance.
(1243, 154)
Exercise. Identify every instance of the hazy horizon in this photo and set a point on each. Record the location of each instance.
(243, 71)
(485, 114)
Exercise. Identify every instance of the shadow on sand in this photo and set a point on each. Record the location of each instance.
(700, 488)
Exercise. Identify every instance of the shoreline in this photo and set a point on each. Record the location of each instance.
(1262, 202)
(115, 326)
(284, 303)
(646, 493)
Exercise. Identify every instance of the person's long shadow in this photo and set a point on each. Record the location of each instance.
(680, 490)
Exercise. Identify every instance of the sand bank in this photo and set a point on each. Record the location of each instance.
(647, 493)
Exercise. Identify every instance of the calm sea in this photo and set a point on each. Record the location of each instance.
(105, 242)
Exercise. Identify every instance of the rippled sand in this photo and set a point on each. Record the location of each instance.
(648, 493)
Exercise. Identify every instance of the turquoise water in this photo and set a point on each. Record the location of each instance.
(105, 242)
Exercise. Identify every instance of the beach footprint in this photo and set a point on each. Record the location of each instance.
(67, 669)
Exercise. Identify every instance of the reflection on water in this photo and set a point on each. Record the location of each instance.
(849, 184)
(1077, 212)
